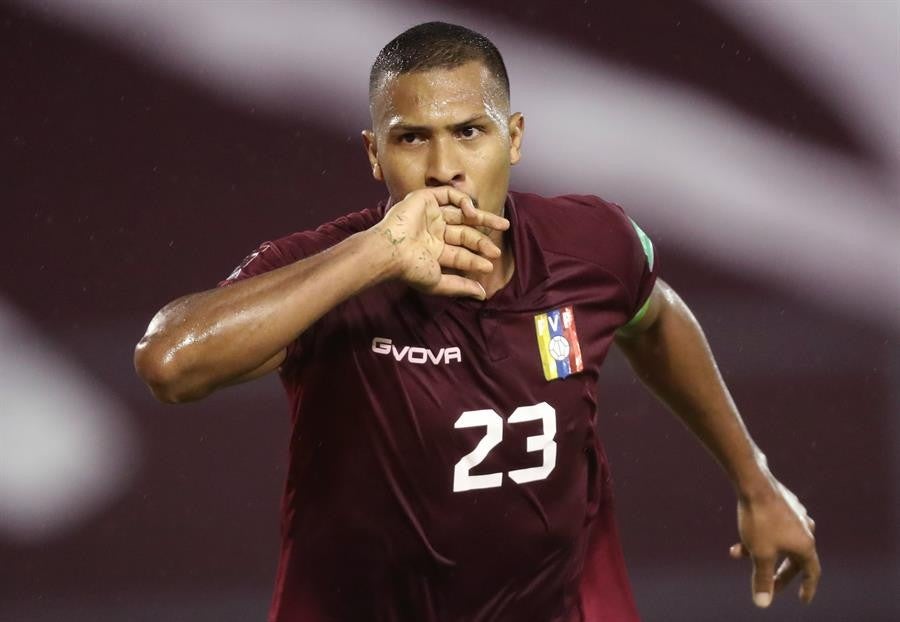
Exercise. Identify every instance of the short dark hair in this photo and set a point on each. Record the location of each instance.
(435, 45)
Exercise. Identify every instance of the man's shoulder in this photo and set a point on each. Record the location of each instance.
(353, 222)
(287, 249)
(311, 241)
(573, 224)
(589, 205)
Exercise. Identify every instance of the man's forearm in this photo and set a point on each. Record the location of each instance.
(205, 340)
(674, 360)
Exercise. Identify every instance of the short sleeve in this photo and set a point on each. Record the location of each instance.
(270, 256)
(267, 257)
(629, 253)
(284, 251)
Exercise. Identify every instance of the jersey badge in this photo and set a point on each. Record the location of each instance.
(558, 343)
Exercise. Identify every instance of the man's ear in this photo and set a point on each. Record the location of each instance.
(371, 146)
(516, 132)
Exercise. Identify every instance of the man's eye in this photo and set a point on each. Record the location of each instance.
(470, 131)
(409, 138)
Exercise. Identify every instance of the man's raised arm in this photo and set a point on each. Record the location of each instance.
(669, 352)
(211, 339)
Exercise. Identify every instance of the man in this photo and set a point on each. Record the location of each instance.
(440, 354)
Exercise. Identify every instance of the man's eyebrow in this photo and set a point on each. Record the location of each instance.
(471, 121)
(406, 127)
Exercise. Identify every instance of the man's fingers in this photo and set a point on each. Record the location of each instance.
(763, 579)
(786, 573)
(737, 551)
(460, 258)
(791, 567)
(480, 218)
(471, 238)
(455, 285)
(812, 571)
(447, 195)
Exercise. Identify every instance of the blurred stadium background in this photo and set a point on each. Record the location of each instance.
(148, 146)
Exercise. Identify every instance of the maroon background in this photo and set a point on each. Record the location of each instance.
(124, 187)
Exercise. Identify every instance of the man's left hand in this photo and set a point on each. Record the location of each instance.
(773, 527)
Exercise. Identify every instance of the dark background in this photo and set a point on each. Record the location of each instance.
(124, 185)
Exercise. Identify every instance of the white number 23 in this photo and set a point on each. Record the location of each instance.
(463, 480)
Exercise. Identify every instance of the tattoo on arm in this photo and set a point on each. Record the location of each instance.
(394, 241)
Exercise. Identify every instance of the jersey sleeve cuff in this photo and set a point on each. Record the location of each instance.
(639, 315)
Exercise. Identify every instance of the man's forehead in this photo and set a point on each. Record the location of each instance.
(415, 97)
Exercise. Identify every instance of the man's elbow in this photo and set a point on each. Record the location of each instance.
(163, 375)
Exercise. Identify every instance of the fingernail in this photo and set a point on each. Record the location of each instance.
(762, 599)
(483, 292)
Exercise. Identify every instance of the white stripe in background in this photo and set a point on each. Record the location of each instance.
(848, 51)
(67, 448)
(699, 174)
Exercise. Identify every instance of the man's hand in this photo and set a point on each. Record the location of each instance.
(770, 528)
(435, 229)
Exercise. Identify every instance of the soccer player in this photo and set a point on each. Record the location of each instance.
(440, 353)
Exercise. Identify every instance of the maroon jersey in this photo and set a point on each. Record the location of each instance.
(444, 458)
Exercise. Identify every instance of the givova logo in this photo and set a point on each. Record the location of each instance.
(415, 354)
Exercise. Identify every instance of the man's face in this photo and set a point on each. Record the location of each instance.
(444, 127)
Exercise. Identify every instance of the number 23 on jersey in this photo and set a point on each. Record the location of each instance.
(463, 480)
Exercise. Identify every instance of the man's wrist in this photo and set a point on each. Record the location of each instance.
(380, 253)
(755, 482)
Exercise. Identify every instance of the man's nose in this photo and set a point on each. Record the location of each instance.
(444, 164)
